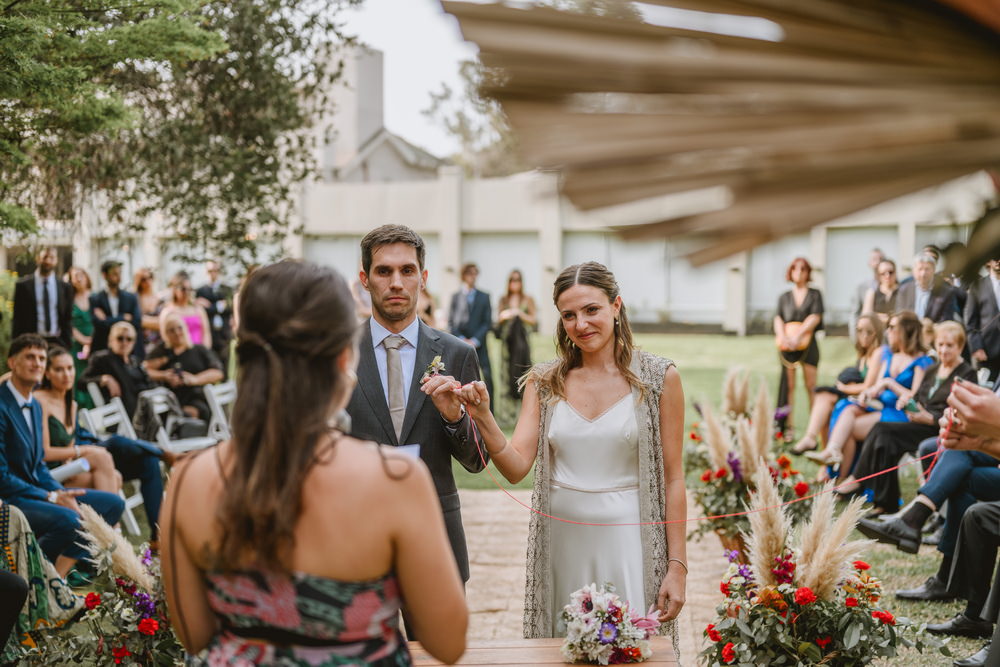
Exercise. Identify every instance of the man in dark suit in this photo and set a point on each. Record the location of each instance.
(930, 297)
(43, 304)
(217, 300)
(25, 481)
(111, 305)
(471, 318)
(395, 351)
(982, 320)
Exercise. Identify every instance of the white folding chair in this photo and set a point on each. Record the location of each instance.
(95, 394)
(220, 399)
(159, 398)
(105, 421)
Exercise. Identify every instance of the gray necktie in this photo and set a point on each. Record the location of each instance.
(394, 379)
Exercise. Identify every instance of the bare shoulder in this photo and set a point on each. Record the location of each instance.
(379, 469)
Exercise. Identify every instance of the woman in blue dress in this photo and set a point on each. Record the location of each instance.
(889, 390)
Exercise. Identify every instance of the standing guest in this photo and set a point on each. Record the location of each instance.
(182, 303)
(516, 319)
(882, 299)
(471, 317)
(217, 298)
(395, 352)
(25, 481)
(117, 371)
(603, 427)
(83, 328)
(875, 257)
(930, 297)
(150, 304)
(112, 305)
(426, 306)
(829, 401)
(184, 367)
(799, 317)
(982, 319)
(254, 564)
(43, 304)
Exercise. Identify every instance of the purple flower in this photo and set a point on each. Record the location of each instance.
(735, 466)
(782, 413)
(144, 604)
(732, 556)
(745, 571)
(608, 632)
(147, 556)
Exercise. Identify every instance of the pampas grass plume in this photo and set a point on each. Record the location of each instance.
(744, 440)
(716, 438)
(102, 538)
(735, 388)
(762, 424)
(826, 553)
(768, 527)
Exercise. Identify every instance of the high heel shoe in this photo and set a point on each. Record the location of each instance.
(824, 456)
(808, 443)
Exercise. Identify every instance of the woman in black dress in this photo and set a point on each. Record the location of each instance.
(799, 317)
(882, 299)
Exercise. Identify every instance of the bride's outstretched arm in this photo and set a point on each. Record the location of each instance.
(672, 590)
(514, 458)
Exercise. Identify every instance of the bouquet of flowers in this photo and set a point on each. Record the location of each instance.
(125, 621)
(603, 629)
(729, 451)
(810, 604)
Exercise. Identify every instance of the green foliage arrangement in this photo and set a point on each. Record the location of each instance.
(7, 281)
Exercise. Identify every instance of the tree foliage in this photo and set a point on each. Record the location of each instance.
(60, 61)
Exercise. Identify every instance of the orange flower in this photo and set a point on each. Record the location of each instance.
(784, 461)
(769, 597)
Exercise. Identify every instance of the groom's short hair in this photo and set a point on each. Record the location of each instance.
(386, 235)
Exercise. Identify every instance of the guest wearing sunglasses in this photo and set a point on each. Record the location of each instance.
(182, 303)
(117, 370)
(882, 299)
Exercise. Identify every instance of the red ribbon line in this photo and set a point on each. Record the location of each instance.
(894, 468)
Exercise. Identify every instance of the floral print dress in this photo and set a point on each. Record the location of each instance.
(301, 619)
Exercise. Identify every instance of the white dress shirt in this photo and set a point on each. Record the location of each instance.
(407, 354)
(923, 297)
(21, 402)
(41, 284)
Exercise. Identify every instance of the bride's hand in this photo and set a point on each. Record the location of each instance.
(670, 599)
(476, 399)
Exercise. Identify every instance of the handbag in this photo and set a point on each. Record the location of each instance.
(850, 375)
(792, 330)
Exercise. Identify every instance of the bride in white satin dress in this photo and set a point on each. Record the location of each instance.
(603, 426)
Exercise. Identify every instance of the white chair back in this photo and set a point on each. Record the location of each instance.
(220, 399)
(107, 420)
(159, 398)
(95, 394)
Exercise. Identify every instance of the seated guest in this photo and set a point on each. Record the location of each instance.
(259, 524)
(116, 370)
(184, 367)
(128, 458)
(50, 600)
(888, 441)
(25, 481)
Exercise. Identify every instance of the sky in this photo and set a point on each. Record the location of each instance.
(422, 49)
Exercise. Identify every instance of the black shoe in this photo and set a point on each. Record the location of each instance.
(934, 524)
(962, 626)
(932, 590)
(977, 659)
(895, 532)
(934, 538)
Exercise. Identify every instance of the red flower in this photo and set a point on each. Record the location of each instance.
(861, 565)
(822, 642)
(851, 602)
(706, 476)
(724, 588)
(728, 654)
(712, 633)
(801, 489)
(884, 616)
(148, 626)
(778, 435)
(784, 461)
(720, 473)
(804, 596)
(784, 474)
(119, 653)
(92, 600)
(695, 436)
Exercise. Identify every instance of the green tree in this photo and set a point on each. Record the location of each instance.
(60, 67)
(225, 145)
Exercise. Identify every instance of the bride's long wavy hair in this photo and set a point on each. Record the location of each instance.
(553, 376)
(295, 319)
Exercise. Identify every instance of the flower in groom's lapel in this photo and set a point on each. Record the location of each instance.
(436, 367)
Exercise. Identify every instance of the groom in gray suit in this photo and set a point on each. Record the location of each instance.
(395, 350)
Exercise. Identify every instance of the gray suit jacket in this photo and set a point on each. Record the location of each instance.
(423, 423)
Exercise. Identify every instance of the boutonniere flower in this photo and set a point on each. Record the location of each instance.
(436, 367)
